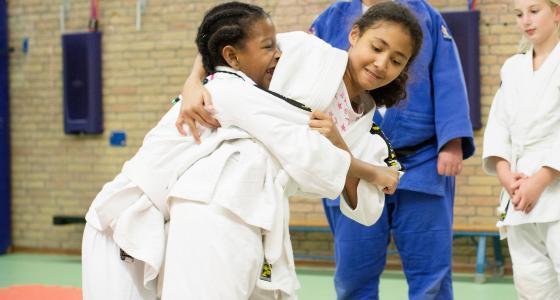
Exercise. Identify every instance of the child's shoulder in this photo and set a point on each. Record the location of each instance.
(297, 37)
(419, 6)
(339, 6)
(513, 63)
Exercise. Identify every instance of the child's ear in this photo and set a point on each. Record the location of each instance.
(557, 15)
(354, 35)
(229, 54)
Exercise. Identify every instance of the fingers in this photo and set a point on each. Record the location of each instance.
(197, 110)
(459, 168)
(194, 131)
(528, 208)
(522, 204)
(179, 125)
(317, 115)
(316, 123)
(515, 186)
(518, 175)
(515, 200)
(321, 130)
(440, 167)
(393, 181)
(449, 168)
(204, 118)
(389, 190)
(204, 112)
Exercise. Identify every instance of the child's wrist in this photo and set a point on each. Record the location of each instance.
(546, 176)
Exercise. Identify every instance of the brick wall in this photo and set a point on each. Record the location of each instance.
(54, 173)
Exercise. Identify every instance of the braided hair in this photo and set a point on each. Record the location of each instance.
(225, 24)
(390, 94)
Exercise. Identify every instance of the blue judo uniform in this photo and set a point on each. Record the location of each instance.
(420, 214)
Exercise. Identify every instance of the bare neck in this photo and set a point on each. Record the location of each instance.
(351, 87)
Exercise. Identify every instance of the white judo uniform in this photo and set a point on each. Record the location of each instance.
(239, 178)
(326, 65)
(303, 57)
(524, 129)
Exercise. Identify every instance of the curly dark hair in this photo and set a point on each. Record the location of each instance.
(392, 93)
(225, 24)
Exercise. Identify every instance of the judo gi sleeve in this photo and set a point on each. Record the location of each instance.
(552, 159)
(496, 136)
(450, 96)
(321, 24)
(373, 149)
(315, 164)
(371, 201)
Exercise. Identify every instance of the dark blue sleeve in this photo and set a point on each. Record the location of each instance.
(451, 107)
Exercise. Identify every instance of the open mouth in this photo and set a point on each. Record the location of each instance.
(270, 71)
(530, 31)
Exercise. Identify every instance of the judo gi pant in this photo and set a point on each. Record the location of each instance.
(421, 226)
(535, 255)
(211, 254)
(105, 275)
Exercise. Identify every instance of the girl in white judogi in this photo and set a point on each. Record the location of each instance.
(208, 271)
(521, 145)
(302, 74)
(230, 180)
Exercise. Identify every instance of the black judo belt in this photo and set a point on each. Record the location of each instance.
(406, 151)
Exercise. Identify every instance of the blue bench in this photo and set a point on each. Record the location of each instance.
(479, 233)
(483, 232)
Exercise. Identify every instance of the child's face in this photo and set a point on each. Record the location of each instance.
(258, 55)
(379, 55)
(537, 20)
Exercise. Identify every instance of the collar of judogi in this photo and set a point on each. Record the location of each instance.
(282, 97)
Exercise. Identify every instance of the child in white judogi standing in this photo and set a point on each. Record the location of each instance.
(521, 145)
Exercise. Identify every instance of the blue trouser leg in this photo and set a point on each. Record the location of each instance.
(421, 225)
(423, 234)
(360, 254)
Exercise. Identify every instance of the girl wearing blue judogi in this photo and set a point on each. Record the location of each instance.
(521, 148)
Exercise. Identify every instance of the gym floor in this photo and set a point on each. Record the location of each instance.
(62, 274)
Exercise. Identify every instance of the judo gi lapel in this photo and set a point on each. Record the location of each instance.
(357, 130)
(546, 97)
(531, 88)
(545, 73)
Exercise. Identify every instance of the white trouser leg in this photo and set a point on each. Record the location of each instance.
(211, 254)
(534, 272)
(105, 275)
(553, 246)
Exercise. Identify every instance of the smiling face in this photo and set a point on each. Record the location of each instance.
(258, 55)
(376, 56)
(537, 20)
